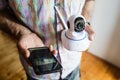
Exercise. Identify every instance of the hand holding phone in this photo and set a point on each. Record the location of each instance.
(43, 61)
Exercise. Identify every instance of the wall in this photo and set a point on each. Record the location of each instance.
(106, 22)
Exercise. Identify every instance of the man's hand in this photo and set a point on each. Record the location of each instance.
(87, 13)
(31, 40)
(26, 39)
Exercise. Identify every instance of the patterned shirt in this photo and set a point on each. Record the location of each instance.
(39, 16)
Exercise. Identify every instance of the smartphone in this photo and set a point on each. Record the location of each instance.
(43, 61)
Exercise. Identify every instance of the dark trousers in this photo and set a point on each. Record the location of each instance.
(74, 75)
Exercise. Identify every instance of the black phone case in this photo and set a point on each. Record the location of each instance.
(43, 61)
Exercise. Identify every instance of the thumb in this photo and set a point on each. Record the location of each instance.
(51, 48)
(90, 32)
(54, 52)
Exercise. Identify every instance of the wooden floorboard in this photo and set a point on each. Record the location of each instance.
(92, 68)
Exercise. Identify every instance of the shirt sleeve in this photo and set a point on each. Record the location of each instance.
(3, 4)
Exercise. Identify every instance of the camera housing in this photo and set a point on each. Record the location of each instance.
(75, 38)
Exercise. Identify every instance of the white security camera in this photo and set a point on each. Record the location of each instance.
(74, 37)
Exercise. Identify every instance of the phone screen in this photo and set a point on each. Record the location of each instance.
(43, 61)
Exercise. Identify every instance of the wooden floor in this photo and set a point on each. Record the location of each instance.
(92, 68)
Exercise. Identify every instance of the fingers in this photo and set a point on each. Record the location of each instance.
(22, 50)
(27, 53)
(54, 52)
(90, 32)
(51, 48)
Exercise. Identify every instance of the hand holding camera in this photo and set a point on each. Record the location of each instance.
(74, 36)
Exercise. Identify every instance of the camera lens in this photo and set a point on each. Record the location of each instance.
(79, 24)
